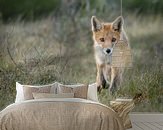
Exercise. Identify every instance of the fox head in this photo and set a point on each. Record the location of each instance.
(106, 35)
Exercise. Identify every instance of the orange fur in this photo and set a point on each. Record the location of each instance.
(108, 33)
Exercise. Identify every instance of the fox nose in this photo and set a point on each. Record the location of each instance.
(108, 51)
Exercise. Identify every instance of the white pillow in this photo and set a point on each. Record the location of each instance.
(20, 91)
(92, 92)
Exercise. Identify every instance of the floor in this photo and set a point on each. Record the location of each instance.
(146, 121)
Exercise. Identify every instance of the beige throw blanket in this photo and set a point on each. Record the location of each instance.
(59, 114)
(123, 107)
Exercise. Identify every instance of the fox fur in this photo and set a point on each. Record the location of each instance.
(105, 35)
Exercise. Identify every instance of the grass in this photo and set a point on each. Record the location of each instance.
(48, 50)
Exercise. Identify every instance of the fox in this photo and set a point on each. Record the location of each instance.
(105, 36)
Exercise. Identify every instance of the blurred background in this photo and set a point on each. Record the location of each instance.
(43, 41)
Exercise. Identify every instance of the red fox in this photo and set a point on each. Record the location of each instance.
(105, 36)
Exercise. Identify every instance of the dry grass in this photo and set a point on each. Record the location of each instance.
(60, 49)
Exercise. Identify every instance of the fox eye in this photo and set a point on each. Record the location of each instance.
(102, 39)
(113, 39)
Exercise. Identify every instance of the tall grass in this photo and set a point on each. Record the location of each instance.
(61, 49)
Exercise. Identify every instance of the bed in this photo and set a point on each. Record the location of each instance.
(59, 114)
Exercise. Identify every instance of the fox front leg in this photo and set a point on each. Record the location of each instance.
(113, 81)
(100, 79)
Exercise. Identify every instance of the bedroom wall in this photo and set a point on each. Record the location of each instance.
(45, 42)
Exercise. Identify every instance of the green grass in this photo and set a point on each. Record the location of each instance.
(51, 49)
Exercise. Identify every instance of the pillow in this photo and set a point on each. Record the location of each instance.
(28, 90)
(80, 91)
(92, 92)
(24, 92)
(50, 95)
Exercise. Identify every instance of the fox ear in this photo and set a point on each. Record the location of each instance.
(96, 24)
(118, 23)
